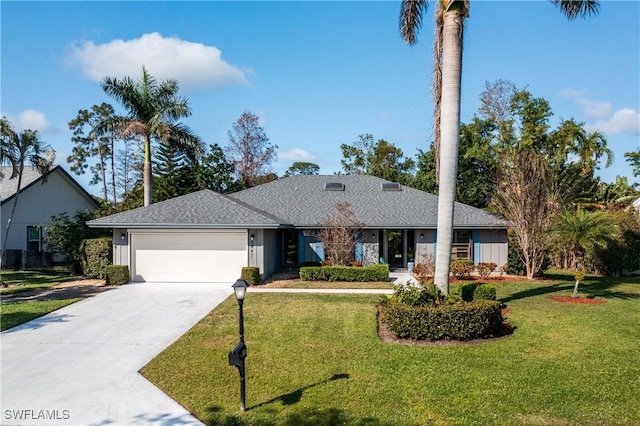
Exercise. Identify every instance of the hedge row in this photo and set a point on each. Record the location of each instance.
(378, 272)
(469, 292)
(96, 256)
(251, 274)
(117, 274)
(460, 321)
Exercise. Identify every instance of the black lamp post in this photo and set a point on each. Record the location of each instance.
(239, 353)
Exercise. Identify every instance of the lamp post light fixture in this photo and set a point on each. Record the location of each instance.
(239, 353)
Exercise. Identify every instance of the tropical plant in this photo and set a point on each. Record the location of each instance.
(447, 77)
(153, 110)
(582, 232)
(18, 149)
(633, 158)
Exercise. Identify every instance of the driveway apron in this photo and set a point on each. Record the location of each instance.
(79, 365)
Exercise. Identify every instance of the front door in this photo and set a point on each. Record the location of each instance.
(394, 248)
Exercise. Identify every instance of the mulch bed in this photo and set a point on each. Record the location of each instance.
(579, 300)
(80, 288)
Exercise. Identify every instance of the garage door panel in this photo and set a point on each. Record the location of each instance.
(203, 257)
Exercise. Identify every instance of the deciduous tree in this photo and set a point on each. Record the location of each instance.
(339, 235)
(302, 168)
(249, 150)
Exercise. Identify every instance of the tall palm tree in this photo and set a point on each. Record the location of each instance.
(450, 18)
(153, 112)
(18, 149)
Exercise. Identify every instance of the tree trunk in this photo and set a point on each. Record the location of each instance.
(13, 212)
(449, 139)
(103, 172)
(575, 290)
(146, 171)
(113, 173)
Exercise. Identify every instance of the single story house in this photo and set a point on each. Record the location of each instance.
(208, 237)
(40, 198)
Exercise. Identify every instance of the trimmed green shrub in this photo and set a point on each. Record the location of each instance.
(461, 268)
(427, 295)
(96, 255)
(117, 274)
(485, 269)
(465, 291)
(484, 292)
(376, 272)
(460, 321)
(251, 274)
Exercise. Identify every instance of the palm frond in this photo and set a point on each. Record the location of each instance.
(578, 8)
(411, 12)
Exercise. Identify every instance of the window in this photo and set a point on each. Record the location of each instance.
(34, 238)
(461, 247)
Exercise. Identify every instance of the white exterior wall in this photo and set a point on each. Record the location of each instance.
(37, 204)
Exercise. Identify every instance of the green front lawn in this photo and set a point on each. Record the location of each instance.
(12, 314)
(317, 360)
(21, 281)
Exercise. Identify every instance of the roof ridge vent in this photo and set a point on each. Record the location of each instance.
(333, 186)
(390, 187)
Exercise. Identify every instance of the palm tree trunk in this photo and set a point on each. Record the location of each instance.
(13, 212)
(146, 171)
(450, 134)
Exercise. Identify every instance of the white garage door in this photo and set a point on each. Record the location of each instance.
(188, 257)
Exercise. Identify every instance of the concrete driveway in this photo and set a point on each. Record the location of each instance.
(79, 365)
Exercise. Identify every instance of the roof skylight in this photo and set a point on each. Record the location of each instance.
(333, 186)
(391, 187)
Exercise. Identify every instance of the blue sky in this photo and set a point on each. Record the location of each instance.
(317, 73)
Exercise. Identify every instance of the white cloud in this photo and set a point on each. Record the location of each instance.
(594, 109)
(573, 93)
(623, 121)
(192, 64)
(29, 119)
(296, 154)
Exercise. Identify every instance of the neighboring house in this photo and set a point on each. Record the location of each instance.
(636, 204)
(40, 198)
(208, 237)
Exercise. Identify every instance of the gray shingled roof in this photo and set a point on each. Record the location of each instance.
(10, 186)
(199, 209)
(302, 201)
(30, 176)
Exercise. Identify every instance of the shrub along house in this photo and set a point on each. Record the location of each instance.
(208, 237)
